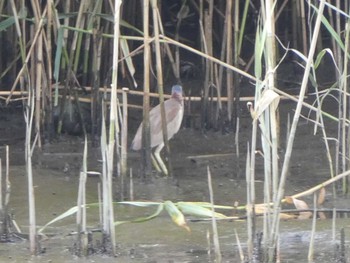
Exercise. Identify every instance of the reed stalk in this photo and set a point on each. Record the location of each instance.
(105, 187)
(218, 256)
(250, 174)
(335, 47)
(249, 207)
(2, 212)
(279, 196)
(131, 186)
(303, 27)
(251, 192)
(75, 49)
(82, 239)
(269, 122)
(320, 120)
(239, 246)
(94, 23)
(99, 196)
(159, 70)
(236, 53)
(107, 193)
(206, 79)
(344, 111)
(109, 227)
(271, 83)
(25, 56)
(87, 43)
(334, 219)
(237, 144)
(146, 137)
(339, 59)
(220, 72)
(7, 177)
(48, 35)
(124, 136)
(29, 115)
(38, 68)
(5, 188)
(208, 57)
(229, 55)
(4, 197)
(2, 65)
(208, 244)
(311, 252)
(29, 147)
(342, 257)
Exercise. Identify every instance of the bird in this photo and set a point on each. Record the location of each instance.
(174, 110)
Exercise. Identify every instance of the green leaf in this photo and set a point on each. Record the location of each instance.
(7, 23)
(176, 215)
(331, 30)
(11, 20)
(69, 212)
(123, 23)
(260, 39)
(208, 205)
(143, 219)
(198, 210)
(140, 203)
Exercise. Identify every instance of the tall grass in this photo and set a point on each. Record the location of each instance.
(73, 44)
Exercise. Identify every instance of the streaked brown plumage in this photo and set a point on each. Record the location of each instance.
(173, 114)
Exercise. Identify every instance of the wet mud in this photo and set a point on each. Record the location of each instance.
(56, 170)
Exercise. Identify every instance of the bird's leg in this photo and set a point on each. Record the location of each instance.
(155, 163)
(159, 159)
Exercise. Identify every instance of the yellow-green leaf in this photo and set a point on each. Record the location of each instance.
(197, 210)
(175, 214)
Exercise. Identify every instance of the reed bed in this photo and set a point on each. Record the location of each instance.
(65, 50)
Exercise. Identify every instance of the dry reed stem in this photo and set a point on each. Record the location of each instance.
(29, 53)
(218, 256)
(124, 134)
(159, 71)
(310, 190)
(215, 60)
(146, 137)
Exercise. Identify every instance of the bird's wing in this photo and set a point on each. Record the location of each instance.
(172, 109)
(137, 141)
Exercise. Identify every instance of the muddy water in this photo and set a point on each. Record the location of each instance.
(56, 180)
(155, 241)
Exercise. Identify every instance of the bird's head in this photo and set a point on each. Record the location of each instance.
(176, 91)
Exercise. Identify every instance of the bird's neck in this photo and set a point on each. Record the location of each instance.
(177, 97)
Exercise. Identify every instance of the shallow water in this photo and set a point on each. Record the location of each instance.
(56, 183)
(158, 240)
